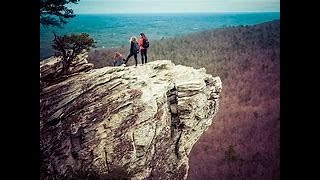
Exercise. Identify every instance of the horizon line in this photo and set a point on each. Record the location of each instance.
(218, 12)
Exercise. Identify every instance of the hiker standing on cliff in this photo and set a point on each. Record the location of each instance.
(134, 49)
(144, 44)
(118, 59)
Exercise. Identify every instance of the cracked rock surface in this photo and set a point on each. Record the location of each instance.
(144, 119)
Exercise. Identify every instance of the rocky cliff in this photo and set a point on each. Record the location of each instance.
(139, 121)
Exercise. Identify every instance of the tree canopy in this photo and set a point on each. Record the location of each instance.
(55, 12)
(69, 46)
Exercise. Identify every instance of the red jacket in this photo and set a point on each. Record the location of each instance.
(141, 42)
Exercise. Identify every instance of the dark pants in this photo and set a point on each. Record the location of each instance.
(143, 55)
(135, 58)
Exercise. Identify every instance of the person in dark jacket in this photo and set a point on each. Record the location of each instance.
(134, 49)
(143, 50)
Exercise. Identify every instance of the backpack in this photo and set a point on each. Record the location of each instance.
(145, 43)
(136, 47)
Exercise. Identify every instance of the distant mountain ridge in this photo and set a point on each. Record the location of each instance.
(115, 30)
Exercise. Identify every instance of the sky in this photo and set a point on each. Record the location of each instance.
(173, 6)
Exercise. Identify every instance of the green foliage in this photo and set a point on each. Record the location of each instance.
(70, 46)
(55, 12)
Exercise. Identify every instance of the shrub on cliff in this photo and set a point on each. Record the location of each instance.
(70, 46)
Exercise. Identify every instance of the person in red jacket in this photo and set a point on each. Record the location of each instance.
(143, 49)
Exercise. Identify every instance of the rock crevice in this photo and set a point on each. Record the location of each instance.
(143, 119)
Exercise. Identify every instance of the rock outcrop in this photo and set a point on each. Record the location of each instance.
(140, 120)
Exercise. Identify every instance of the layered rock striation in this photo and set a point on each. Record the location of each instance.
(142, 120)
